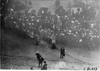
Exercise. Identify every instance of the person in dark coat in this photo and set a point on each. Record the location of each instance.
(38, 55)
(38, 58)
(41, 61)
(62, 52)
(44, 66)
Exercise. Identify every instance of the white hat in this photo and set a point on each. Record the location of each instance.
(37, 52)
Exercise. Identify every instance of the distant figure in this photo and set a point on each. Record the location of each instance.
(57, 3)
(94, 68)
(54, 46)
(37, 43)
(88, 68)
(41, 61)
(62, 52)
(44, 66)
(38, 57)
(31, 68)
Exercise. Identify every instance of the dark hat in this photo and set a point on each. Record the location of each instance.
(44, 61)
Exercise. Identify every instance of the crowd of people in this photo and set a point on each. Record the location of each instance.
(76, 22)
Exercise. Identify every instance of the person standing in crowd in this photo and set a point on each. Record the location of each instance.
(44, 66)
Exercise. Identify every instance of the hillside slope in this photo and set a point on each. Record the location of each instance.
(20, 54)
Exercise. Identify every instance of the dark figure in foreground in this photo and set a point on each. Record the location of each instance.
(44, 66)
(62, 52)
(38, 57)
(41, 61)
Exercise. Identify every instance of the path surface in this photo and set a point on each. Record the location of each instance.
(52, 58)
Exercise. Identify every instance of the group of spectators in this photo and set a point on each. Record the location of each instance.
(67, 21)
(78, 20)
(44, 19)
